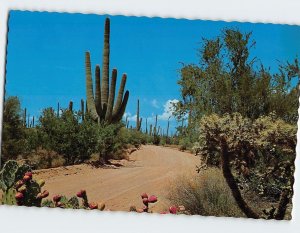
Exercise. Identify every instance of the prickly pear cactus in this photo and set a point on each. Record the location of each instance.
(20, 189)
(18, 186)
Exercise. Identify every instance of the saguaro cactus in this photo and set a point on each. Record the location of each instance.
(138, 119)
(58, 109)
(155, 127)
(82, 109)
(146, 126)
(71, 106)
(101, 105)
(24, 117)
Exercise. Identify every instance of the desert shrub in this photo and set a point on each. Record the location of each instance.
(32, 140)
(68, 137)
(42, 158)
(262, 151)
(108, 142)
(205, 194)
(185, 144)
(156, 139)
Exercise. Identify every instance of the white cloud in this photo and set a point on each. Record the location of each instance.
(168, 109)
(154, 103)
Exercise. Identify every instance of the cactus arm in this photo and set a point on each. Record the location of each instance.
(118, 104)
(111, 99)
(89, 87)
(105, 74)
(98, 91)
(123, 108)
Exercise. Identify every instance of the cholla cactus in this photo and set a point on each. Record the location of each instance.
(196, 148)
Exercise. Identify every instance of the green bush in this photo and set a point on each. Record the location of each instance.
(205, 194)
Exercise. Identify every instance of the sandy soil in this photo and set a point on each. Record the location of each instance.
(150, 170)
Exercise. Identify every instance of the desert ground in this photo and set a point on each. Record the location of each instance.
(149, 169)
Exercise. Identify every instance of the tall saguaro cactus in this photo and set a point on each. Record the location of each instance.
(138, 119)
(102, 106)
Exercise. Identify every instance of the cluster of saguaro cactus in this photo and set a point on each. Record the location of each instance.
(26, 119)
(18, 186)
(101, 105)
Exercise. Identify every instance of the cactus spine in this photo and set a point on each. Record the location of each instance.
(101, 105)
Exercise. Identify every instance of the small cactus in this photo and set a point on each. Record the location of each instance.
(146, 201)
(19, 188)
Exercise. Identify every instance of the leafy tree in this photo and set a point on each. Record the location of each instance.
(13, 134)
(227, 79)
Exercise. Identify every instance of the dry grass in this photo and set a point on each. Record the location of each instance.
(204, 194)
(42, 159)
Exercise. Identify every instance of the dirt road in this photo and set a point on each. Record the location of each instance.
(149, 170)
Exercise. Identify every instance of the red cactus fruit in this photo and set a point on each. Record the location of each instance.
(93, 206)
(26, 178)
(145, 201)
(19, 184)
(19, 202)
(19, 196)
(173, 210)
(81, 193)
(59, 204)
(45, 194)
(152, 199)
(145, 209)
(28, 174)
(144, 195)
(56, 198)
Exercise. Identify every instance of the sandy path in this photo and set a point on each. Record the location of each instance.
(150, 170)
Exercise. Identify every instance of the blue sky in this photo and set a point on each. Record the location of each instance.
(45, 59)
